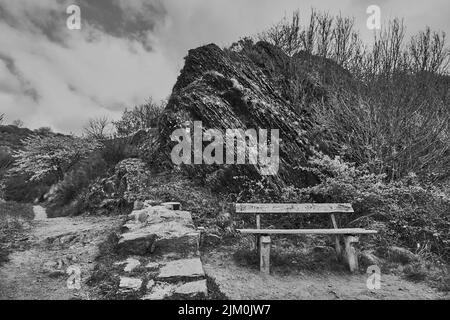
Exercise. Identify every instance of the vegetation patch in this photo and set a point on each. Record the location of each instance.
(14, 218)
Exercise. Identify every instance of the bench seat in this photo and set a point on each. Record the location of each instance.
(346, 231)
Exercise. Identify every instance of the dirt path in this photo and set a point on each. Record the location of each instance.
(55, 246)
(244, 282)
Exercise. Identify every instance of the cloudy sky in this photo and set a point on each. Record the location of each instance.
(129, 50)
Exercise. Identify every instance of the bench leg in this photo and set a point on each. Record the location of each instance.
(351, 257)
(264, 251)
(257, 243)
(338, 248)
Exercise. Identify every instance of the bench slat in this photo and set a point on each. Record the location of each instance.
(299, 208)
(308, 231)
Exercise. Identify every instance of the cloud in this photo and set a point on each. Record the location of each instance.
(128, 50)
(57, 77)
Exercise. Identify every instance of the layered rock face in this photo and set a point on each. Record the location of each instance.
(253, 88)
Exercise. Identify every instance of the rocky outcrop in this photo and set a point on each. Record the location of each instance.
(227, 90)
(257, 87)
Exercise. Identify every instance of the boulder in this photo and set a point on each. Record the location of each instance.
(183, 269)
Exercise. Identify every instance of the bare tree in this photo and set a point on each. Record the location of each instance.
(2, 116)
(18, 123)
(308, 36)
(428, 52)
(285, 34)
(96, 128)
(324, 30)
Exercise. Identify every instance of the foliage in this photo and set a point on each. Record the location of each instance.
(17, 123)
(140, 117)
(336, 38)
(117, 149)
(404, 128)
(96, 128)
(13, 217)
(133, 178)
(18, 187)
(51, 155)
(43, 131)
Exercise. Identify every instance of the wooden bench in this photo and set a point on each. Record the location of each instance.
(344, 238)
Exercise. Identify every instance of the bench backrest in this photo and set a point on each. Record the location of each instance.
(293, 208)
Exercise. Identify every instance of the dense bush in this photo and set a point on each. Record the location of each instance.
(65, 192)
(140, 117)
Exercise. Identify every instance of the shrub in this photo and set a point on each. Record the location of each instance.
(51, 155)
(67, 192)
(415, 215)
(404, 212)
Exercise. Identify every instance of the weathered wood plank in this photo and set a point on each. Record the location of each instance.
(347, 231)
(297, 208)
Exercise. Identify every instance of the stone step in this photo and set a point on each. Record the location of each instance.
(159, 238)
(169, 235)
(185, 290)
(181, 270)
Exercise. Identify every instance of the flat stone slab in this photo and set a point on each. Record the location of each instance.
(137, 242)
(160, 213)
(160, 291)
(161, 237)
(194, 289)
(181, 269)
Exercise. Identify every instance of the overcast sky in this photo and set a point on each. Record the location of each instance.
(129, 50)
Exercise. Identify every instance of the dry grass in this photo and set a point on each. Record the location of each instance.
(13, 217)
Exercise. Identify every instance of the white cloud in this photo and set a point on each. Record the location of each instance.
(80, 78)
(61, 78)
